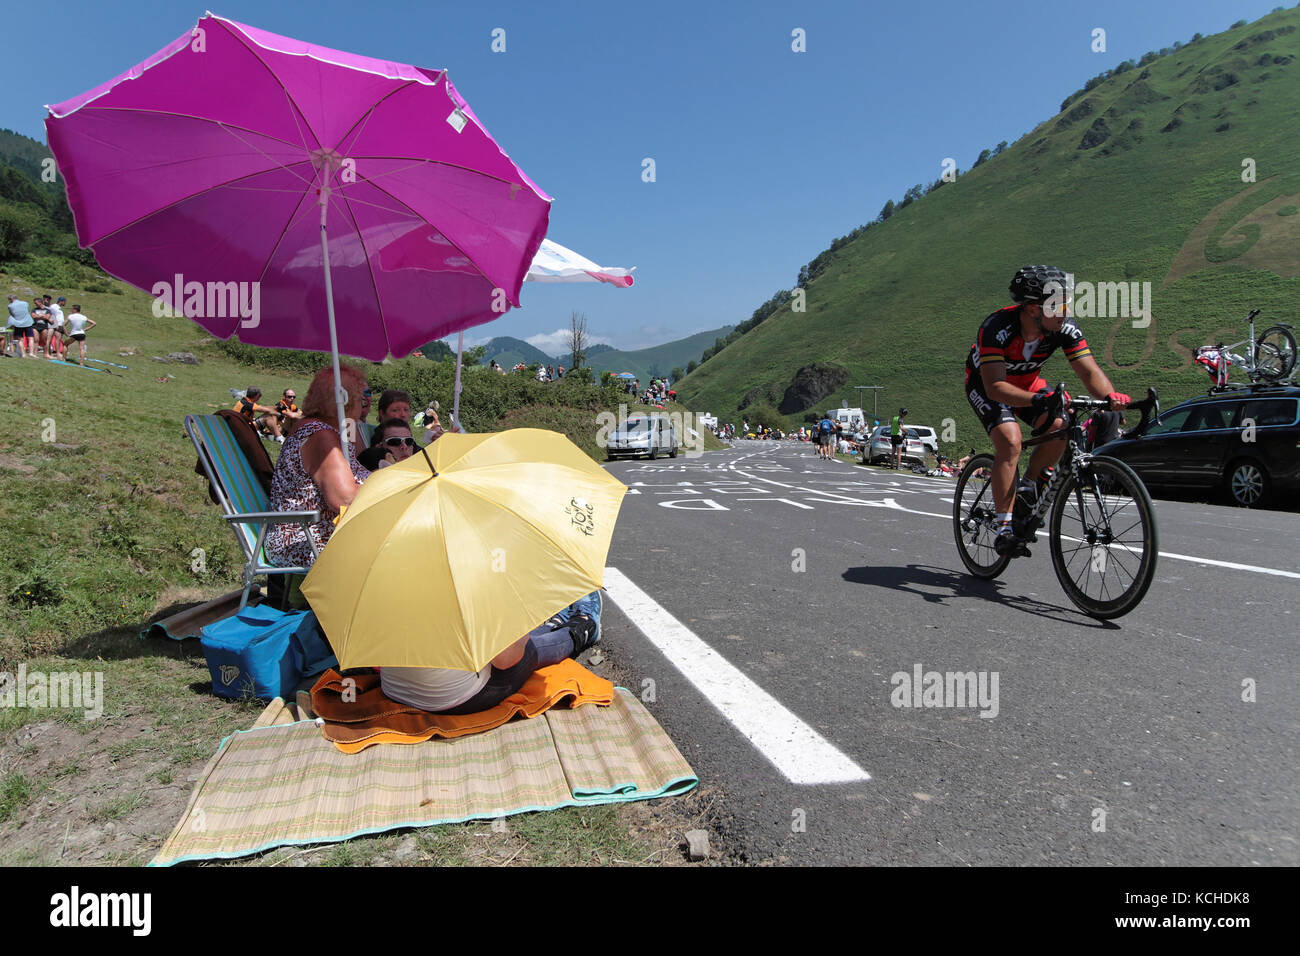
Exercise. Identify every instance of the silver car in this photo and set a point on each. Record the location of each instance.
(882, 449)
(648, 435)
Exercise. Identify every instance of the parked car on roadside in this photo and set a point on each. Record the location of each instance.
(1243, 443)
(881, 449)
(929, 437)
(648, 435)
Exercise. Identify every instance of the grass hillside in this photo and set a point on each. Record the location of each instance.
(659, 360)
(1139, 179)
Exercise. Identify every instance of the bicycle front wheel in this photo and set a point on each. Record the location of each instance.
(1275, 354)
(974, 519)
(1103, 538)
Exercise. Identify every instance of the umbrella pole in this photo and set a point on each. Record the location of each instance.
(455, 399)
(339, 393)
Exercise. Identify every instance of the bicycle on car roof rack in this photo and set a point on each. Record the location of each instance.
(1269, 359)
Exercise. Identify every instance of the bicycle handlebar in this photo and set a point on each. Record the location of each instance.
(1149, 407)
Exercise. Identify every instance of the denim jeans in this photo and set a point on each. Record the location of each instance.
(545, 647)
(591, 605)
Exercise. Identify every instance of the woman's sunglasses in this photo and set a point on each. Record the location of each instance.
(399, 442)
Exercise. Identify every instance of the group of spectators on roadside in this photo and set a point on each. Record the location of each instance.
(315, 473)
(657, 392)
(43, 328)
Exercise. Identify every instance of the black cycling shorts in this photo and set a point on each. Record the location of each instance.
(990, 413)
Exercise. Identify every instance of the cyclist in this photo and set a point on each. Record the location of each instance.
(1003, 384)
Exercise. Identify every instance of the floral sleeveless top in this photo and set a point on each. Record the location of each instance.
(292, 489)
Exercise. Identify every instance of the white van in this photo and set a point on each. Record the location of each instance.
(850, 418)
(648, 435)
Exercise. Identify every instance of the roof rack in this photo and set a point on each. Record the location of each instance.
(1252, 387)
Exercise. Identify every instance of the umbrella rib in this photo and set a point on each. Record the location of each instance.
(370, 269)
(454, 245)
(194, 195)
(247, 42)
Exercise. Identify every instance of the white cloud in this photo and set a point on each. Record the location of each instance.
(558, 342)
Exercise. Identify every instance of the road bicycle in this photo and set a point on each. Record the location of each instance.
(1101, 525)
(1270, 358)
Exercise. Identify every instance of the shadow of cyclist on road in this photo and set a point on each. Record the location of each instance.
(940, 585)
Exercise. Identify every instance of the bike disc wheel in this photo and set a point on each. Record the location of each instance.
(1102, 533)
(974, 519)
(1275, 354)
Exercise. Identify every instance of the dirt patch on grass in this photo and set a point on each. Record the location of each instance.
(14, 463)
(100, 792)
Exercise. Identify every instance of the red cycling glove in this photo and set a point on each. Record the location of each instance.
(1118, 399)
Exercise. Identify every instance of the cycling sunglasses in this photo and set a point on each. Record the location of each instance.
(399, 442)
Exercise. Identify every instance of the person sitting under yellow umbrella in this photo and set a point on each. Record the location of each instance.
(500, 532)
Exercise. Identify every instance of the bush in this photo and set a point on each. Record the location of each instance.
(53, 272)
(297, 361)
(764, 414)
(487, 397)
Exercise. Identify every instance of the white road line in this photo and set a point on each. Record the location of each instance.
(801, 754)
(890, 503)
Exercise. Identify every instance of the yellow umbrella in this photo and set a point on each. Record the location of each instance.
(449, 557)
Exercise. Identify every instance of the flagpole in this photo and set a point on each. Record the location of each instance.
(455, 401)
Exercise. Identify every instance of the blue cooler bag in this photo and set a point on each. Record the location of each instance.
(250, 654)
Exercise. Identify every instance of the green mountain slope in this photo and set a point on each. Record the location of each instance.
(509, 351)
(1139, 179)
(658, 360)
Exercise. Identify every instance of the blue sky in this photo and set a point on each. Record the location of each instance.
(762, 154)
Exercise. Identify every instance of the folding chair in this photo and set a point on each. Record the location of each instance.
(242, 499)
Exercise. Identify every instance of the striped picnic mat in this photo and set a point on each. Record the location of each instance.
(287, 785)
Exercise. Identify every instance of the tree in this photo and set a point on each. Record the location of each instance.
(578, 340)
(473, 356)
(676, 375)
(887, 210)
(691, 366)
(438, 350)
(1000, 147)
(983, 156)
(16, 225)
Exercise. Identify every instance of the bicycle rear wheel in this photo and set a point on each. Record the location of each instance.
(1275, 354)
(1103, 538)
(974, 519)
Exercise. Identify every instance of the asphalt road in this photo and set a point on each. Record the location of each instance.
(802, 587)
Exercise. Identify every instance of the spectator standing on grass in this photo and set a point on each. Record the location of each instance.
(20, 326)
(58, 322)
(78, 325)
(41, 325)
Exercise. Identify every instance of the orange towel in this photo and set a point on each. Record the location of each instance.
(368, 717)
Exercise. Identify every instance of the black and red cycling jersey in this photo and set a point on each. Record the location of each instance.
(999, 340)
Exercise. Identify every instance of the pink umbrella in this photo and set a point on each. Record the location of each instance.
(257, 183)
